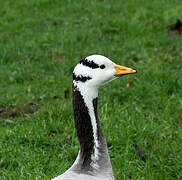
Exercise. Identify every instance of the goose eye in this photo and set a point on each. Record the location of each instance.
(102, 66)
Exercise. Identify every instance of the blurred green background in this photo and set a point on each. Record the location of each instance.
(40, 43)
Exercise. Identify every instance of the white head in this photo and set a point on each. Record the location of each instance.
(96, 70)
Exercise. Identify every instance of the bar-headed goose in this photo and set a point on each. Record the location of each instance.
(92, 162)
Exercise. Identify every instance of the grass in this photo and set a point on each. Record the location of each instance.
(40, 43)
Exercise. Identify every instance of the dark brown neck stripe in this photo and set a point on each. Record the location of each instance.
(83, 127)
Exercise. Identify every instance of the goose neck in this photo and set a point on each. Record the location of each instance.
(93, 148)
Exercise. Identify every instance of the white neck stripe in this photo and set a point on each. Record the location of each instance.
(89, 94)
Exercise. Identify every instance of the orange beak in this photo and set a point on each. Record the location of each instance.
(122, 70)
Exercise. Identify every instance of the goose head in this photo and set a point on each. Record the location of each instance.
(97, 70)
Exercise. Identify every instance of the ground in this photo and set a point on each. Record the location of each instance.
(40, 43)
